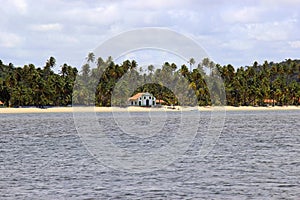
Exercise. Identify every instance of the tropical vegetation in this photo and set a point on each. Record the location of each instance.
(106, 83)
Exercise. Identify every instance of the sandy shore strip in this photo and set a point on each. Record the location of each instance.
(140, 109)
(248, 108)
(85, 109)
(77, 109)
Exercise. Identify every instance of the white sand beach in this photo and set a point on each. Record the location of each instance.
(249, 108)
(140, 109)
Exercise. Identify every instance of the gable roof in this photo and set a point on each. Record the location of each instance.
(136, 96)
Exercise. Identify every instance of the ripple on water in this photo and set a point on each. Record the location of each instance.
(256, 157)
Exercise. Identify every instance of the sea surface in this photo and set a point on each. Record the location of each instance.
(256, 156)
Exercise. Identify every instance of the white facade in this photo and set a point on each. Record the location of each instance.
(142, 99)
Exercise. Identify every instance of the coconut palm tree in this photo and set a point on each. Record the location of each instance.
(191, 62)
(90, 57)
(150, 68)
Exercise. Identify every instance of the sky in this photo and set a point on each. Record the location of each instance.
(231, 32)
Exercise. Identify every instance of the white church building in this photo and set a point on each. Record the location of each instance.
(142, 99)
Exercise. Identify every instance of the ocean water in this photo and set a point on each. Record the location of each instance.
(256, 156)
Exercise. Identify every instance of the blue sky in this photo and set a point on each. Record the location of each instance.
(236, 32)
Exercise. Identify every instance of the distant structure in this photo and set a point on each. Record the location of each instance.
(142, 99)
(269, 102)
(160, 102)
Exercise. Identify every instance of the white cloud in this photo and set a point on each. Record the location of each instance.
(273, 31)
(99, 15)
(47, 27)
(185, 15)
(9, 40)
(281, 2)
(295, 44)
(238, 45)
(20, 5)
(242, 15)
(229, 30)
(154, 4)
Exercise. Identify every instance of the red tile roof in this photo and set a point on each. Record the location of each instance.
(160, 101)
(296, 99)
(269, 100)
(136, 96)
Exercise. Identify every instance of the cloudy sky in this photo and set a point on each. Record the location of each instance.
(234, 31)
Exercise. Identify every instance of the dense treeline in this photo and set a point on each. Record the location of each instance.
(31, 86)
(106, 83)
(252, 85)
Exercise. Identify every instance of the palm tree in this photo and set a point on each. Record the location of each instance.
(86, 70)
(90, 57)
(133, 65)
(173, 67)
(51, 62)
(191, 62)
(64, 69)
(205, 62)
(150, 68)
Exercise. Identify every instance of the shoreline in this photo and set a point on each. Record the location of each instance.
(140, 109)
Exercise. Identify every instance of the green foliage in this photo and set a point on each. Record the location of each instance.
(31, 86)
(111, 84)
